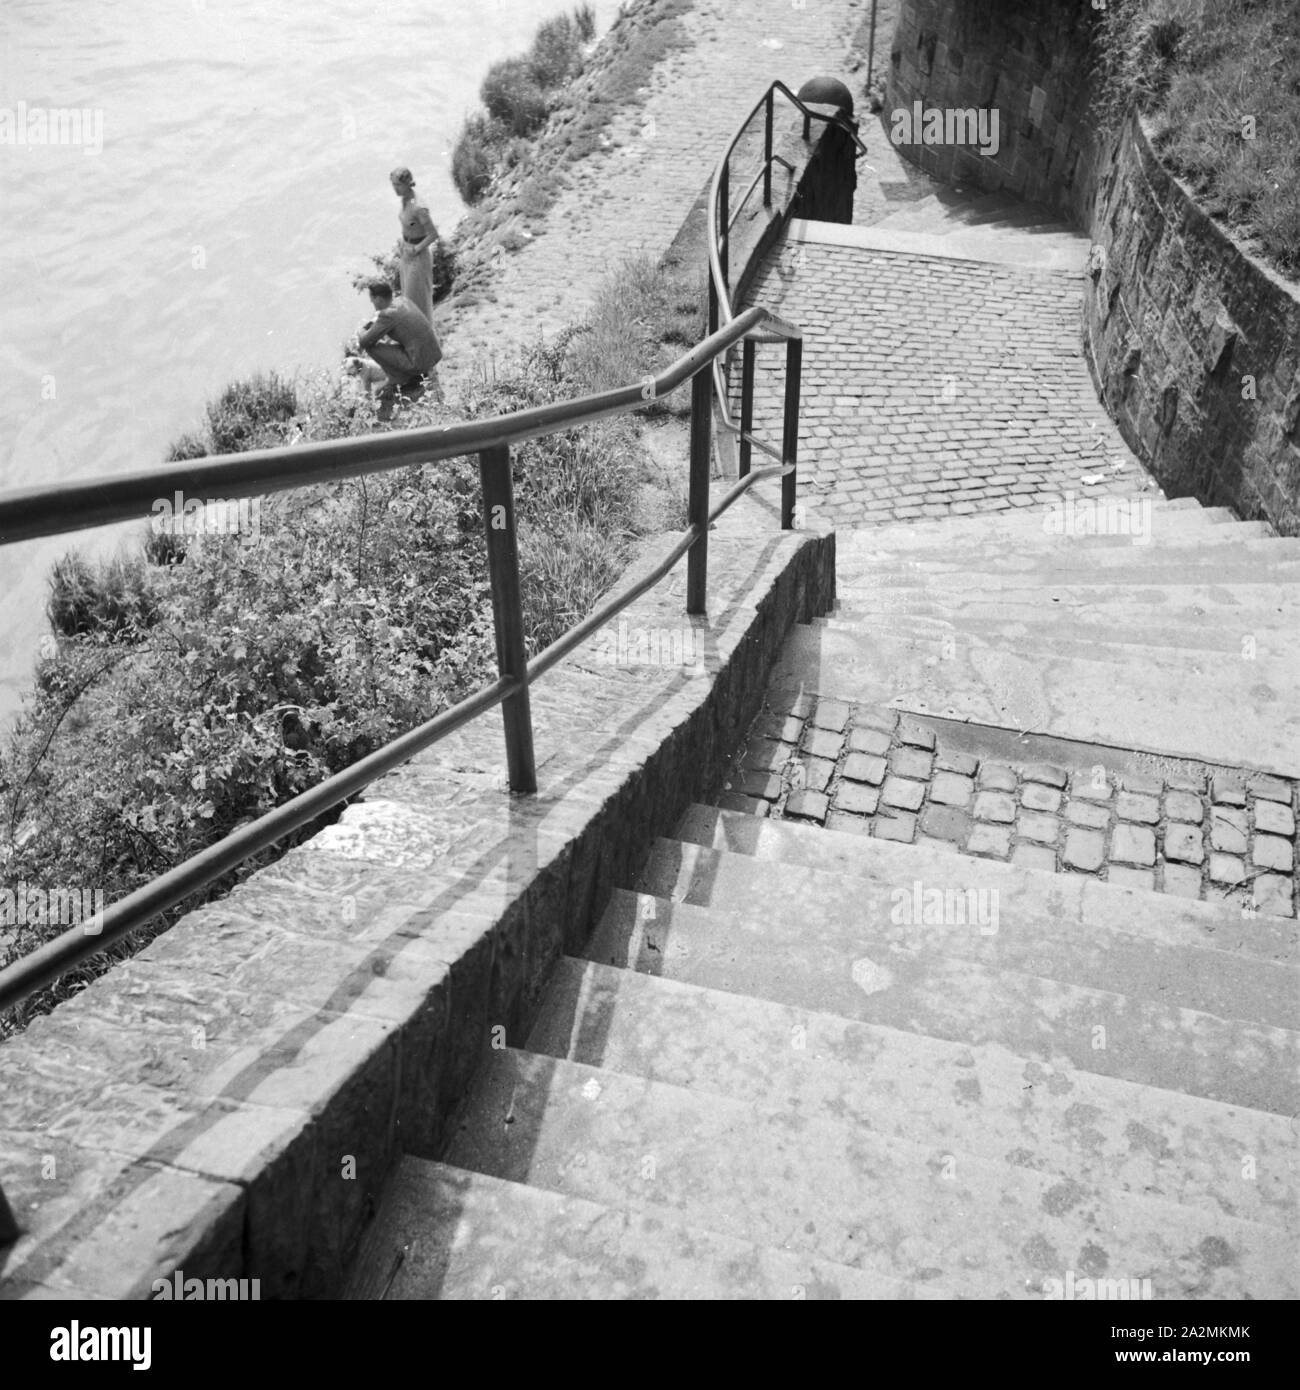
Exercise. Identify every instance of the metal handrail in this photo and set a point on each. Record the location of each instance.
(84, 503)
(26, 514)
(721, 312)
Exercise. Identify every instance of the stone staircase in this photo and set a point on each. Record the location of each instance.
(993, 227)
(796, 1062)
(1180, 641)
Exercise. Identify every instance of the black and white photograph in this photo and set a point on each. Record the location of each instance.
(649, 651)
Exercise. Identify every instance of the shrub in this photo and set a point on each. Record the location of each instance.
(187, 446)
(513, 97)
(105, 599)
(474, 156)
(584, 21)
(386, 267)
(564, 572)
(556, 53)
(246, 410)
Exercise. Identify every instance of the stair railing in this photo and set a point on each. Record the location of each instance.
(722, 215)
(88, 502)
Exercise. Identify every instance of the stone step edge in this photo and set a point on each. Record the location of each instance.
(1123, 1094)
(1006, 1174)
(902, 862)
(928, 247)
(374, 1271)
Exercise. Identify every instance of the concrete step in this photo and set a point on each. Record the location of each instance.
(982, 1100)
(1058, 254)
(1178, 528)
(837, 960)
(907, 1210)
(1025, 526)
(1199, 555)
(931, 215)
(1172, 705)
(1017, 215)
(1221, 608)
(1086, 913)
(447, 1233)
(1021, 631)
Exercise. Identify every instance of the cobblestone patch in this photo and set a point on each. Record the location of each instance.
(935, 388)
(1230, 835)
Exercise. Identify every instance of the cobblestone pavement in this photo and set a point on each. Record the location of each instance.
(636, 196)
(1200, 833)
(934, 387)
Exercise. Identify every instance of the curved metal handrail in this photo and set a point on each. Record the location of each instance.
(86, 502)
(721, 311)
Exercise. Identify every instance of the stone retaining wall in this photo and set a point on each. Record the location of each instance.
(1194, 345)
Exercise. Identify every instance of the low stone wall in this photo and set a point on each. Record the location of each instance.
(1194, 345)
(228, 1103)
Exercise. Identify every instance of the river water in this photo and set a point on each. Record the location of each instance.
(202, 219)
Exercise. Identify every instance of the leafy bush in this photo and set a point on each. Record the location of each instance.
(473, 157)
(584, 21)
(187, 446)
(191, 694)
(556, 53)
(513, 98)
(387, 267)
(110, 599)
(249, 410)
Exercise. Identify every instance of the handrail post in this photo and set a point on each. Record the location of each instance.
(767, 148)
(9, 1231)
(746, 404)
(713, 305)
(507, 613)
(724, 224)
(871, 44)
(697, 505)
(790, 438)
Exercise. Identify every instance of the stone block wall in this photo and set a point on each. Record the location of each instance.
(1193, 344)
(1024, 59)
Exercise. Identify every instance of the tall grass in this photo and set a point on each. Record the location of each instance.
(518, 94)
(1220, 80)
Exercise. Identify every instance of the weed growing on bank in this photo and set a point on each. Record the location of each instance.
(519, 94)
(1218, 78)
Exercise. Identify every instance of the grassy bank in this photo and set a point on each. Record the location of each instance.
(1220, 80)
(198, 681)
(526, 172)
